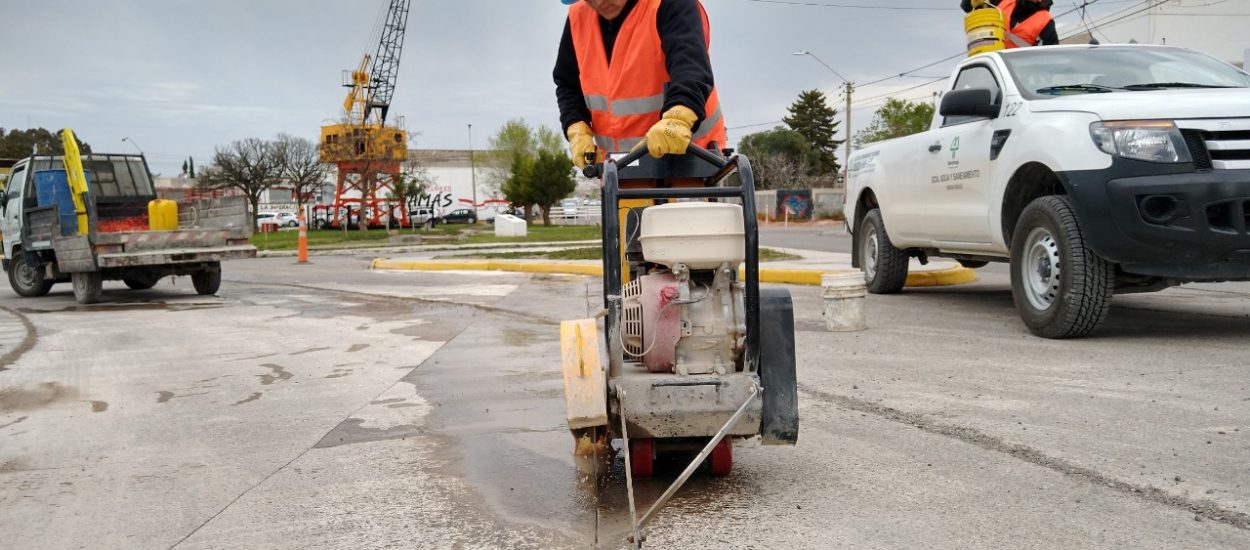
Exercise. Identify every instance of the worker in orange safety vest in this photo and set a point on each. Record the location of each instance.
(1029, 22)
(635, 71)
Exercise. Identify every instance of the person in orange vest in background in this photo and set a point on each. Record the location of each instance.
(630, 71)
(1029, 22)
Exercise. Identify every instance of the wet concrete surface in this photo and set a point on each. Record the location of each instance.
(334, 407)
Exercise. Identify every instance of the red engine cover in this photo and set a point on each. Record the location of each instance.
(661, 321)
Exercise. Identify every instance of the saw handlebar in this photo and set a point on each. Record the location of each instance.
(593, 170)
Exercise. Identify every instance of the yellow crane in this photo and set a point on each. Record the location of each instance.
(368, 152)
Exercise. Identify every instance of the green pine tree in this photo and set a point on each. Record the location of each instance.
(812, 117)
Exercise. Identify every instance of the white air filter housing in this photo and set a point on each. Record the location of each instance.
(702, 235)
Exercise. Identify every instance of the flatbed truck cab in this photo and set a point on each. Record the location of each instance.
(44, 245)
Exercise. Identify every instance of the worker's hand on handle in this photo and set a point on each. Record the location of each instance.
(581, 141)
(671, 135)
(979, 4)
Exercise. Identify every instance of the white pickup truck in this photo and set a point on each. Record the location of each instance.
(1093, 170)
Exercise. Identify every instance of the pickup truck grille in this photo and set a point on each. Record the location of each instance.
(1220, 144)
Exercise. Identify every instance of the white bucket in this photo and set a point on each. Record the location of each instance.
(844, 295)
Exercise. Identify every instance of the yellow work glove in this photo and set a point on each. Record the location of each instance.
(581, 141)
(671, 135)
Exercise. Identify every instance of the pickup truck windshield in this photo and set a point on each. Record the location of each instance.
(108, 175)
(1049, 72)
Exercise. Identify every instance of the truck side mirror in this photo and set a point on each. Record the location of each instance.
(974, 102)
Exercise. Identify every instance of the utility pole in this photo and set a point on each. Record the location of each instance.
(846, 162)
(848, 89)
(472, 171)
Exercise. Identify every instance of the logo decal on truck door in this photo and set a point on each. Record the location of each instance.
(954, 147)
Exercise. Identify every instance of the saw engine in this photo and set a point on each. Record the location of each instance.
(687, 316)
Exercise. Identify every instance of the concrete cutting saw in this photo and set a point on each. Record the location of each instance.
(697, 353)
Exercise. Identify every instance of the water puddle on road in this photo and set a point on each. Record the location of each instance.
(14, 399)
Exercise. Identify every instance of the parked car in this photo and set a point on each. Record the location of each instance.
(424, 215)
(490, 216)
(568, 207)
(280, 219)
(461, 215)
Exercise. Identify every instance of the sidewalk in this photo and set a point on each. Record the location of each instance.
(806, 271)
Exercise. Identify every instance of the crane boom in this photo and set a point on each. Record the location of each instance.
(385, 69)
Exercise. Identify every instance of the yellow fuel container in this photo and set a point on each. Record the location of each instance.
(985, 29)
(162, 215)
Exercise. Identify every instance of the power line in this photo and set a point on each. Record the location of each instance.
(849, 6)
(898, 92)
(1126, 16)
(757, 125)
(917, 69)
(1084, 4)
(1118, 18)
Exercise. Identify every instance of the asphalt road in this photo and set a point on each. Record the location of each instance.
(328, 406)
(828, 237)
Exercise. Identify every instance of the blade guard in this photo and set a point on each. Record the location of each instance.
(780, 422)
(585, 382)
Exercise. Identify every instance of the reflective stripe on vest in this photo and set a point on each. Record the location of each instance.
(1029, 31)
(626, 107)
(709, 125)
(626, 97)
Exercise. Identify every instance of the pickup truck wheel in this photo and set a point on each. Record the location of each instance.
(87, 287)
(1061, 287)
(27, 280)
(885, 267)
(207, 282)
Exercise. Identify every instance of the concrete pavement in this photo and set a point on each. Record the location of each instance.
(333, 406)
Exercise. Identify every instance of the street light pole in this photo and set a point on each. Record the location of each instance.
(136, 145)
(849, 89)
(472, 171)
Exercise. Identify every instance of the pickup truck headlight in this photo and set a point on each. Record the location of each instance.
(1148, 140)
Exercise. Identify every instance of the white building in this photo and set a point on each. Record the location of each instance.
(452, 178)
(1216, 27)
(453, 175)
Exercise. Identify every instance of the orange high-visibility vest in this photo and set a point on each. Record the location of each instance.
(1028, 31)
(626, 97)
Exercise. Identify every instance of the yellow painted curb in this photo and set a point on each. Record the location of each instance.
(947, 277)
(787, 276)
(811, 277)
(488, 265)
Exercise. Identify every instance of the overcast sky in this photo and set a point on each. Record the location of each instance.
(179, 77)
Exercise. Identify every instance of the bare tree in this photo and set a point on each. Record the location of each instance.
(300, 165)
(778, 171)
(248, 166)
